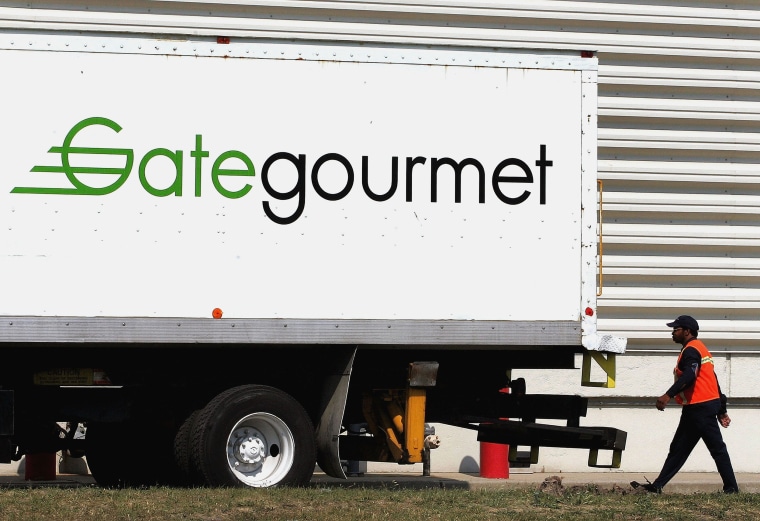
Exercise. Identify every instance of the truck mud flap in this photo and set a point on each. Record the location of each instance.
(333, 406)
(536, 435)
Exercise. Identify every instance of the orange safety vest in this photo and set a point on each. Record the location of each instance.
(705, 387)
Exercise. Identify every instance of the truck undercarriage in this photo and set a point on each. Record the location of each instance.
(156, 422)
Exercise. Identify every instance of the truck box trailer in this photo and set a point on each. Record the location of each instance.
(217, 254)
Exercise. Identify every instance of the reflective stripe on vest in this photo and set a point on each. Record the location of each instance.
(705, 387)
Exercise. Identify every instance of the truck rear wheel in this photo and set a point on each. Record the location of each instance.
(254, 436)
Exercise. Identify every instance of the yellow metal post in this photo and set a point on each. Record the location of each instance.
(414, 431)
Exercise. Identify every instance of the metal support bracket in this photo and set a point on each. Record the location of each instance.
(524, 457)
(537, 435)
(593, 458)
(607, 363)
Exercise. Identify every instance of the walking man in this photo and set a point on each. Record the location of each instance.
(696, 387)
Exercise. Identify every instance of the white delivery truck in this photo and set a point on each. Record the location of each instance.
(216, 255)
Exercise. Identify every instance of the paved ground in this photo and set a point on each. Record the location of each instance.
(684, 483)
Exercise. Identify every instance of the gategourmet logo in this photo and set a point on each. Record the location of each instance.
(113, 177)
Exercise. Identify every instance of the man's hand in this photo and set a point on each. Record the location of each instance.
(662, 401)
(724, 420)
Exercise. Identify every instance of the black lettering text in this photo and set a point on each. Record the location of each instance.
(299, 190)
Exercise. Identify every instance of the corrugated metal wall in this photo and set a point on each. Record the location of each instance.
(679, 104)
(678, 152)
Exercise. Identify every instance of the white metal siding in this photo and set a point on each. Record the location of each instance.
(679, 103)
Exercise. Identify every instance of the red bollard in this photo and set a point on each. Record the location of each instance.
(494, 457)
(40, 466)
(494, 460)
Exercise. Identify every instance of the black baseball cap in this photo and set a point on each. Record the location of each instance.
(686, 322)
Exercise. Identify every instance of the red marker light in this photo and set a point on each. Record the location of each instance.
(589, 312)
(217, 313)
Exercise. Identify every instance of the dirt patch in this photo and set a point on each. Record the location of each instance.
(552, 485)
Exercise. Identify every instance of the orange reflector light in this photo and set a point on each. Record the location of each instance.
(589, 312)
(217, 313)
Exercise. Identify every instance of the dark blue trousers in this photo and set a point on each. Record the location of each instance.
(698, 421)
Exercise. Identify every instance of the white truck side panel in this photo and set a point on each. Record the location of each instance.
(169, 243)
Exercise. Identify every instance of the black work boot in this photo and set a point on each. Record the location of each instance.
(649, 487)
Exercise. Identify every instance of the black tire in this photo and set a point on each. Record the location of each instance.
(100, 440)
(132, 454)
(190, 474)
(254, 436)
